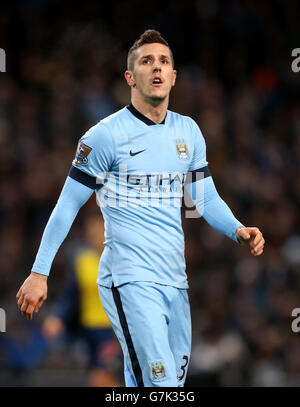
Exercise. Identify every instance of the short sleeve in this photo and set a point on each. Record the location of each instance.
(94, 156)
(199, 156)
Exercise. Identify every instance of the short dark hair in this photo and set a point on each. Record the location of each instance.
(148, 37)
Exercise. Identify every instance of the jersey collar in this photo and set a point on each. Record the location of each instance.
(140, 116)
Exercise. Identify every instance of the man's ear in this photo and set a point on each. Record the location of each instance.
(129, 78)
(174, 77)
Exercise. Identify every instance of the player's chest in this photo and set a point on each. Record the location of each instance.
(155, 150)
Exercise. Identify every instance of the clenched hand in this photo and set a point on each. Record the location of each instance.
(253, 238)
(32, 294)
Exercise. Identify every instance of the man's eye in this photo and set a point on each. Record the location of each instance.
(145, 61)
(165, 61)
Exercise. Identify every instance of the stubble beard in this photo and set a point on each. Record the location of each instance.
(154, 100)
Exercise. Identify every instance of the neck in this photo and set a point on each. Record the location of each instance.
(156, 113)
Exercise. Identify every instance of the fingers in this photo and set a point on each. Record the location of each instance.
(257, 235)
(19, 293)
(31, 295)
(253, 237)
(20, 301)
(39, 304)
(257, 251)
(258, 248)
(258, 242)
(23, 307)
(244, 234)
(28, 306)
(27, 309)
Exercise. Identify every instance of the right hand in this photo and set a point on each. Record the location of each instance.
(32, 294)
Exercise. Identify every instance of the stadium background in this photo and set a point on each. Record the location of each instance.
(65, 67)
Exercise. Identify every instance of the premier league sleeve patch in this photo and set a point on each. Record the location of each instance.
(82, 153)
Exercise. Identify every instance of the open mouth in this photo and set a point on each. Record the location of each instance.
(157, 81)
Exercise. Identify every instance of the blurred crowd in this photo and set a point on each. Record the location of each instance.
(65, 66)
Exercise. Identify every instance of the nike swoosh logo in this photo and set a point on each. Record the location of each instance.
(133, 154)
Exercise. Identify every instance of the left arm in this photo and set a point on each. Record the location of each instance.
(209, 203)
(217, 213)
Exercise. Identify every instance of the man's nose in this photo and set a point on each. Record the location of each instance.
(156, 66)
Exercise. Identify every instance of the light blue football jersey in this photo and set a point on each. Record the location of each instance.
(137, 168)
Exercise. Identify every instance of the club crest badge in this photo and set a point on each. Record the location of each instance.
(182, 149)
(158, 370)
(82, 153)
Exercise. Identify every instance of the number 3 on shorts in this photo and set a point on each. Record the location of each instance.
(183, 366)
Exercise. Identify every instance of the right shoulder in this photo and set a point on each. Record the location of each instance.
(105, 130)
(115, 118)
